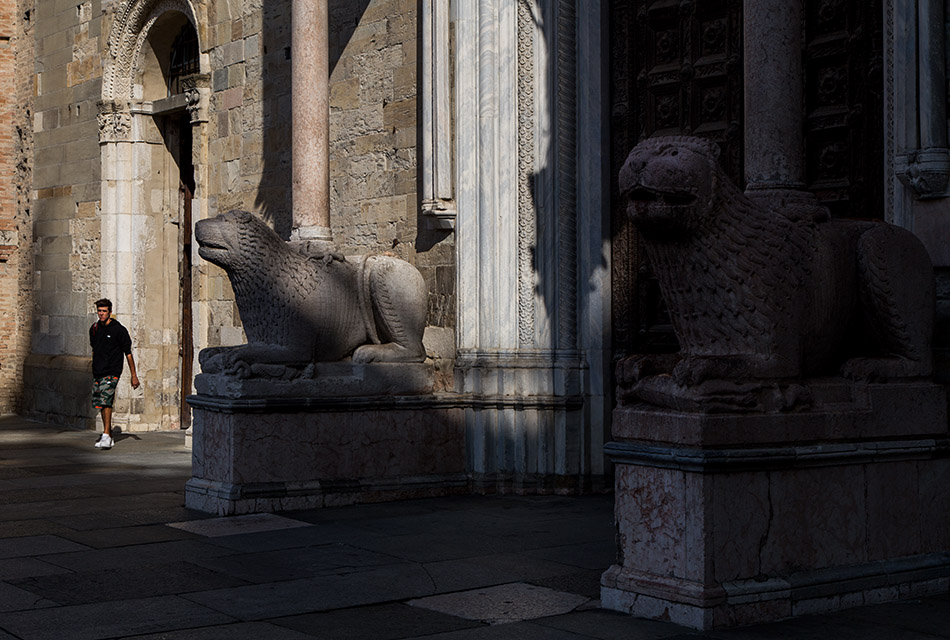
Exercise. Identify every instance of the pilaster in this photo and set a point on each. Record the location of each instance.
(528, 223)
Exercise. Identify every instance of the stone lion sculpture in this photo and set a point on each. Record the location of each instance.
(767, 290)
(299, 308)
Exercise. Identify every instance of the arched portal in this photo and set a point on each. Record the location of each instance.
(152, 127)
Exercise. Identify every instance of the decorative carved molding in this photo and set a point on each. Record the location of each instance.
(435, 161)
(527, 213)
(115, 122)
(889, 105)
(925, 171)
(922, 163)
(130, 27)
(566, 173)
(197, 90)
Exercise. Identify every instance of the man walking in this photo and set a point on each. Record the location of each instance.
(109, 341)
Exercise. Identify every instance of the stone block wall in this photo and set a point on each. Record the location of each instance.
(16, 95)
(65, 182)
(374, 205)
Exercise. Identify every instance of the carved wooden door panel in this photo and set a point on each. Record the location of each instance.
(844, 133)
(676, 68)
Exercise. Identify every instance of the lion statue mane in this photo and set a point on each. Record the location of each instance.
(299, 307)
(764, 290)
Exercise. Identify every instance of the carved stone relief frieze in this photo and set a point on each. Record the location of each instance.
(527, 213)
(197, 90)
(115, 122)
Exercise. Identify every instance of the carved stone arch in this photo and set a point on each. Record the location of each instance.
(133, 21)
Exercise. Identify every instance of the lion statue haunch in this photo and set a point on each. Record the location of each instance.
(299, 308)
(768, 289)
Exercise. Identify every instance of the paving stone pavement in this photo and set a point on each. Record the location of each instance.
(96, 544)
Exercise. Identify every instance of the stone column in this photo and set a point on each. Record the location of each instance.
(310, 88)
(774, 144)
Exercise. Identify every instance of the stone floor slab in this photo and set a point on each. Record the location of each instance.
(379, 622)
(346, 577)
(483, 571)
(516, 631)
(922, 616)
(136, 582)
(14, 599)
(590, 555)
(30, 527)
(583, 583)
(37, 546)
(110, 619)
(278, 599)
(238, 631)
(296, 538)
(610, 625)
(59, 508)
(438, 546)
(136, 555)
(513, 602)
(14, 568)
(236, 525)
(291, 564)
(125, 536)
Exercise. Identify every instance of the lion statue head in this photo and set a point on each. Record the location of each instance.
(666, 179)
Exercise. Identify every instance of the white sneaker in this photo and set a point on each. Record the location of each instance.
(105, 442)
(99, 441)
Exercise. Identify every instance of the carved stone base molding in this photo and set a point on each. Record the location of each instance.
(734, 519)
(287, 447)
(524, 422)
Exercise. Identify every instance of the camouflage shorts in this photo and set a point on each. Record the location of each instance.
(103, 391)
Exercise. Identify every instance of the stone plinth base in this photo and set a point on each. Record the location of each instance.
(293, 446)
(734, 519)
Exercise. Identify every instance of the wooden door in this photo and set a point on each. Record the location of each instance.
(186, 339)
(844, 108)
(676, 68)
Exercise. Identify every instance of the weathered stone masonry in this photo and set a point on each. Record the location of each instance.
(104, 200)
(16, 97)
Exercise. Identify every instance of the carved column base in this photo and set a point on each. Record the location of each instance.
(733, 519)
(526, 427)
(926, 172)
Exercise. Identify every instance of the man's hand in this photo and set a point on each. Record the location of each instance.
(135, 381)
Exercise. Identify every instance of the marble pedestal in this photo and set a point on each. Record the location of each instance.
(352, 433)
(728, 519)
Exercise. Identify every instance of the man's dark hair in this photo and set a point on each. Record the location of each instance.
(104, 302)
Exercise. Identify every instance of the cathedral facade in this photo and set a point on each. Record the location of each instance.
(480, 140)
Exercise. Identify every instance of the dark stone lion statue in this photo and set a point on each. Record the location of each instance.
(298, 308)
(767, 290)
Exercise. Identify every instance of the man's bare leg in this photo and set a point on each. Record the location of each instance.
(107, 421)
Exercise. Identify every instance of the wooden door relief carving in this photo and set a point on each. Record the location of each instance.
(676, 68)
(844, 134)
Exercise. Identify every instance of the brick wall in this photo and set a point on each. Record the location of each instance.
(16, 63)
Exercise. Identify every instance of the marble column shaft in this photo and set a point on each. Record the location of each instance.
(310, 80)
(774, 143)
